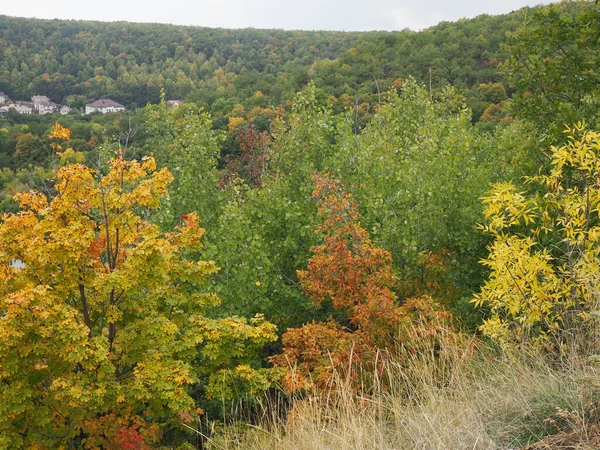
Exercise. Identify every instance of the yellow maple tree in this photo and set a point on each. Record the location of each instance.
(101, 321)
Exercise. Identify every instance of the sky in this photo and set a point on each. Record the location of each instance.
(348, 15)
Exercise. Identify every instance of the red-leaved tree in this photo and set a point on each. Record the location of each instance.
(357, 277)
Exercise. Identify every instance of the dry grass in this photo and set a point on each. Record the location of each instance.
(462, 397)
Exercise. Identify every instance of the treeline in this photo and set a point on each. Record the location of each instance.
(241, 77)
(74, 61)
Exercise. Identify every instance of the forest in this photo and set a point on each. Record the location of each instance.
(338, 240)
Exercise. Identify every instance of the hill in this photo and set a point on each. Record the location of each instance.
(74, 61)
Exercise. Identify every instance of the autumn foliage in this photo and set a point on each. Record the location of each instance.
(544, 266)
(254, 145)
(347, 268)
(357, 277)
(252, 165)
(99, 329)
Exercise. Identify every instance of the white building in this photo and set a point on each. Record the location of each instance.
(17, 264)
(104, 105)
(174, 103)
(43, 105)
(20, 109)
(3, 98)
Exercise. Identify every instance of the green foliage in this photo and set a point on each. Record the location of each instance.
(108, 336)
(29, 151)
(265, 233)
(417, 170)
(182, 140)
(73, 61)
(553, 64)
(21, 180)
(261, 240)
(304, 140)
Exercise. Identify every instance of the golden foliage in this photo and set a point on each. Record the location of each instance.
(101, 325)
(544, 258)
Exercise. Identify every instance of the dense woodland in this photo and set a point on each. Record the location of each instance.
(326, 214)
(73, 61)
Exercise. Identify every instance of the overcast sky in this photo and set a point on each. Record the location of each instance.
(288, 14)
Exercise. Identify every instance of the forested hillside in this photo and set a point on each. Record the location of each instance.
(73, 61)
(241, 77)
(338, 240)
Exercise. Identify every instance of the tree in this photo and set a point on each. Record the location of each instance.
(544, 258)
(347, 268)
(254, 145)
(553, 63)
(265, 232)
(417, 171)
(99, 330)
(182, 140)
(28, 150)
(356, 276)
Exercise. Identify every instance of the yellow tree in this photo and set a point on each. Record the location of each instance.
(99, 327)
(544, 260)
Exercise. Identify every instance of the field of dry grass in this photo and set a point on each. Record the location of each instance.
(464, 396)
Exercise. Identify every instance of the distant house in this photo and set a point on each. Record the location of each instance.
(104, 105)
(43, 105)
(3, 98)
(20, 109)
(64, 109)
(174, 103)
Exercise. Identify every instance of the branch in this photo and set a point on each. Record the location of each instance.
(84, 307)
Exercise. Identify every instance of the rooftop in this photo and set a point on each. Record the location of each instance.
(105, 103)
(42, 99)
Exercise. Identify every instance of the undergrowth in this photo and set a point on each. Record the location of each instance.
(462, 395)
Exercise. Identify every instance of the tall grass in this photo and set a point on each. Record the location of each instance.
(460, 396)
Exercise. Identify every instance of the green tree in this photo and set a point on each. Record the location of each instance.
(29, 150)
(265, 233)
(553, 64)
(417, 171)
(182, 139)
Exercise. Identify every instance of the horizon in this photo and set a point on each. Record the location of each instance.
(335, 15)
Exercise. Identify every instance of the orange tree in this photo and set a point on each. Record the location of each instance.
(99, 329)
(356, 276)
